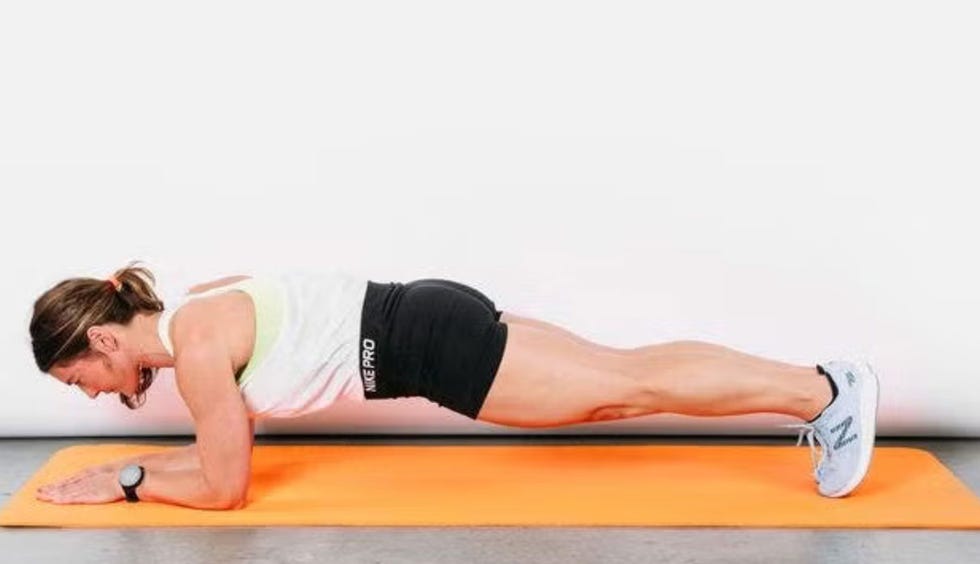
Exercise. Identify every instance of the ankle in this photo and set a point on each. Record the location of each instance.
(818, 395)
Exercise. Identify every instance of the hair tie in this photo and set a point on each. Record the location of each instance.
(115, 283)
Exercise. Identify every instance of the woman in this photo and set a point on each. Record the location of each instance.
(252, 347)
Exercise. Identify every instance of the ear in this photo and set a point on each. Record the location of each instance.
(101, 339)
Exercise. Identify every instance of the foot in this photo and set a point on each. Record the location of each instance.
(845, 429)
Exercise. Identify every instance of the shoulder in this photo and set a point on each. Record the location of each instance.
(199, 320)
(203, 354)
(205, 286)
(199, 325)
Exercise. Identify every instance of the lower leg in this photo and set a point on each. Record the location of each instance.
(697, 378)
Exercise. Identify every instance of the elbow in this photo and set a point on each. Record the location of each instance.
(229, 499)
(231, 504)
(228, 502)
(223, 494)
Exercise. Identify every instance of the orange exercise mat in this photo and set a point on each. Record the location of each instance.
(581, 485)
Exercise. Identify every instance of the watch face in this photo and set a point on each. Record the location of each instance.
(129, 475)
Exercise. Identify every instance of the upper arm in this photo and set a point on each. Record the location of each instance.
(206, 382)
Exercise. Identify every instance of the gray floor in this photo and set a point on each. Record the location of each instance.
(22, 457)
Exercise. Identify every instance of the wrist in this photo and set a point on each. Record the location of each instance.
(120, 492)
(130, 477)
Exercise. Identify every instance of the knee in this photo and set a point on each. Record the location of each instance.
(686, 346)
(611, 412)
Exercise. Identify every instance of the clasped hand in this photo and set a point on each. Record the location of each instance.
(96, 484)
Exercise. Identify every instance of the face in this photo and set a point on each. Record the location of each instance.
(97, 373)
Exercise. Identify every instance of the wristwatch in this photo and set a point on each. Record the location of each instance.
(129, 477)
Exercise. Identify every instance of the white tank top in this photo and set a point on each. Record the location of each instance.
(307, 341)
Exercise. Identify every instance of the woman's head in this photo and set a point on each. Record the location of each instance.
(78, 332)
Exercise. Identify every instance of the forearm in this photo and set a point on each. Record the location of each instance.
(169, 477)
(172, 459)
(176, 458)
(187, 487)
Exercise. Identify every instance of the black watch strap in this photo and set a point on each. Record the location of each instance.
(130, 490)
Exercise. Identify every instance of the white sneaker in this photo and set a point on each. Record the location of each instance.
(845, 429)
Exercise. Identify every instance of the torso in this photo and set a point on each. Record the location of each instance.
(290, 339)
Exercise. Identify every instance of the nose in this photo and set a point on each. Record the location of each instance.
(91, 392)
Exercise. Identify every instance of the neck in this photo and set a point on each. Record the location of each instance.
(146, 339)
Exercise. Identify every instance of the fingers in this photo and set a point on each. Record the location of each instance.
(65, 498)
(71, 492)
(62, 487)
(89, 486)
(57, 493)
(74, 478)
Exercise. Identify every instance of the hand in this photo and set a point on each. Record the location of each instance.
(111, 467)
(98, 484)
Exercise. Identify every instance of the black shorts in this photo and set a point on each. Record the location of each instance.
(433, 338)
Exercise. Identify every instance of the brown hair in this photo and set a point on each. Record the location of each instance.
(64, 313)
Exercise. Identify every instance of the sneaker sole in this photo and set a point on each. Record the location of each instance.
(869, 416)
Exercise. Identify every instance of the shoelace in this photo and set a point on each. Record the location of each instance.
(808, 430)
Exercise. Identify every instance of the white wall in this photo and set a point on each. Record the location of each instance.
(792, 180)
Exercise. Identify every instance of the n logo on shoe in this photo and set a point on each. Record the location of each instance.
(843, 426)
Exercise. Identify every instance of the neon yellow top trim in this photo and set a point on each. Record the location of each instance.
(269, 308)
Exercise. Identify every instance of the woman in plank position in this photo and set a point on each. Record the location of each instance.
(248, 347)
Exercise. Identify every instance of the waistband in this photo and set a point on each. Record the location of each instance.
(377, 374)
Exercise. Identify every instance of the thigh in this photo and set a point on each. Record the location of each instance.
(546, 379)
(509, 317)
